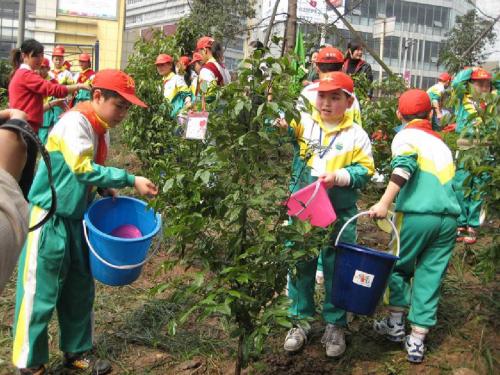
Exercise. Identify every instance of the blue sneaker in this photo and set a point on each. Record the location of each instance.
(392, 330)
(415, 349)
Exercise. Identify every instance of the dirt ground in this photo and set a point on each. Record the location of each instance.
(131, 327)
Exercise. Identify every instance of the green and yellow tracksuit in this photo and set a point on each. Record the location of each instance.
(426, 215)
(465, 121)
(63, 77)
(53, 267)
(435, 93)
(84, 77)
(175, 90)
(323, 148)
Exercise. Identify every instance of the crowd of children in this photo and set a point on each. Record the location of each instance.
(331, 146)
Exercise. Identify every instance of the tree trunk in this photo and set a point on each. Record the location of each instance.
(239, 358)
(291, 26)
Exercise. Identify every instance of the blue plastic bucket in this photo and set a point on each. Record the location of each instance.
(118, 261)
(360, 275)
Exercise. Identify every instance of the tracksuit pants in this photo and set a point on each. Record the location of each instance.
(53, 274)
(427, 242)
(301, 286)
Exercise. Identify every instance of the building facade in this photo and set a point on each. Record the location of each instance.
(144, 15)
(9, 14)
(420, 28)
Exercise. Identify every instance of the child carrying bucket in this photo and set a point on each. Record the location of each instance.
(426, 219)
(337, 151)
(53, 267)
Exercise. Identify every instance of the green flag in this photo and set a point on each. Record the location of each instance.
(299, 50)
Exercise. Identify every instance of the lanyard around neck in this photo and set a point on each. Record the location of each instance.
(332, 141)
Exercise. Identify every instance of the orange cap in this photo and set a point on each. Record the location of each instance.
(480, 73)
(118, 81)
(205, 42)
(163, 59)
(45, 63)
(328, 55)
(445, 77)
(58, 51)
(184, 60)
(196, 57)
(84, 57)
(334, 81)
(414, 101)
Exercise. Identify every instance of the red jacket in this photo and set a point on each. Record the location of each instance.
(26, 92)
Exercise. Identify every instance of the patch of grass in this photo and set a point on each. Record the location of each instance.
(147, 326)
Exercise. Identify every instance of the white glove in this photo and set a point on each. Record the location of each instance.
(342, 177)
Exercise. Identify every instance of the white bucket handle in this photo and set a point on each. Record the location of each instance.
(123, 267)
(396, 234)
(318, 184)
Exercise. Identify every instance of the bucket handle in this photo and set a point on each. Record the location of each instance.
(396, 234)
(305, 205)
(122, 267)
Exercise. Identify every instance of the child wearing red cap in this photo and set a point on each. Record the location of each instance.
(426, 218)
(329, 59)
(86, 76)
(53, 267)
(213, 72)
(466, 119)
(435, 93)
(174, 87)
(49, 103)
(335, 150)
(62, 75)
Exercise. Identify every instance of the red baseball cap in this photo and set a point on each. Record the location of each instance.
(58, 51)
(334, 81)
(205, 42)
(67, 64)
(480, 73)
(445, 77)
(328, 55)
(84, 57)
(196, 57)
(414, 101)
(45, 63)
(163, 59)
(116, 80)
(184, 60)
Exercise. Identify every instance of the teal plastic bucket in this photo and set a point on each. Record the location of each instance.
(361, 274)
(114, 260)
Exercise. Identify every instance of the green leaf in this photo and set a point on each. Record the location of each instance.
(168, 185)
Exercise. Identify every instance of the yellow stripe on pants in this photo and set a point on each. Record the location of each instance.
(21, 338)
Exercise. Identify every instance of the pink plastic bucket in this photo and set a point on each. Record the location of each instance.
(312, 203)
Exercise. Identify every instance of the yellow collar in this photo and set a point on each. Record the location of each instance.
(346, 122)
(168, 77)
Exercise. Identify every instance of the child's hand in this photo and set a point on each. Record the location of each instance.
(328, 179)
(340, 177)
(379, 210)
(281, 123)
(109, 192)
(144, 186)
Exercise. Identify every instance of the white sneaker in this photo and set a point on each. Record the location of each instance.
(295, 339)
(415, 349)
(334, 340)
(391, 329)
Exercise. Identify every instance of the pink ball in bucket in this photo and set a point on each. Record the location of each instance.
(126, 231)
